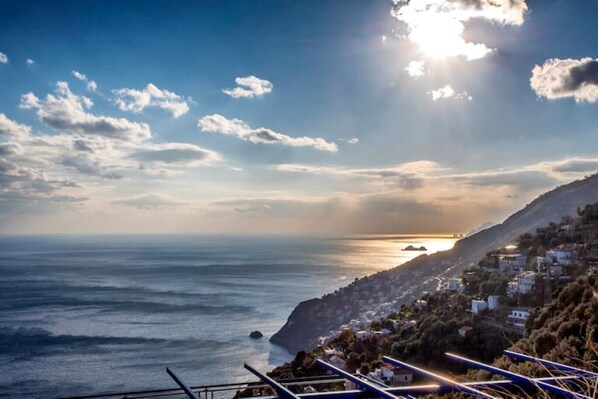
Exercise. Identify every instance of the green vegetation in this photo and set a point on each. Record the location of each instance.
(565, 330)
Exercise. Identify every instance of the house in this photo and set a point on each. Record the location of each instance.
(564, 255)
(512, 262)
(493, 302)
(391, 375)
(517, 318)
(523, 284)
(465, 331)
(477, 306)
(455, 285)
(395, 375)
(363, 335)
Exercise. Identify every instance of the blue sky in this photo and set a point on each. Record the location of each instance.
(290, 117)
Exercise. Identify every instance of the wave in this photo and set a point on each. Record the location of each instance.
(26, 342)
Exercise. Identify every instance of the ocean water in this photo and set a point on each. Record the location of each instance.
(81, 315)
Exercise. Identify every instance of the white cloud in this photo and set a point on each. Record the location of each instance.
(80, 76)
(447, 92)
(91, 84)
(415, 69)
(137, 100)
(29, 62)
(437, 26)
(66, 111)
(235, 127)
(12, 128)
(571, 78)
(3, 58)
(248, 87)
(175, 154)
(354, 140)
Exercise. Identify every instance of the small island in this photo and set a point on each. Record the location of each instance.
(412, 248)
(256, 334)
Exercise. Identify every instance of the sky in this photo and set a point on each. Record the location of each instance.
(279, 117)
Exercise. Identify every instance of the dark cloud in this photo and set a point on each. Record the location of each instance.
(558, 78)
(584, 74)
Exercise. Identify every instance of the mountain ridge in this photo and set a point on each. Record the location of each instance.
(316, 317)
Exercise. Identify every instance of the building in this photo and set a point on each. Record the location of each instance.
(465, 331)
(517, 318)
(493, 302)
(512, 263)
(363, 335)
(524, 284)
(455, 284)
(477, 306)
(564, 255)
(391, 375)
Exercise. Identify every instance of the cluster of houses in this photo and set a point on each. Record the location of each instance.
(387, 374)
(534, 276)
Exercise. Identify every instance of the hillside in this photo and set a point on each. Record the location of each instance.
(317, 317)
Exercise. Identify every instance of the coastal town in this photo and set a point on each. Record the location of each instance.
(496, 294)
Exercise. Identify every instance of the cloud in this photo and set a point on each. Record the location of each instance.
(29, 62)
(409, 175)
(12, 128)
(23, 186)
(80, 76)
(88, 166)
(248, 87)
(149, 202)
(91, 84)
(175, 154)
(3, 58)
(415, 69)
(448, 92)
(354, 140)
(437, 26)
(137, 100)
(235, 127)
(567, 78)
(66, 111)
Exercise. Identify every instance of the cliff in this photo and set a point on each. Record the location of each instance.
(319, 316)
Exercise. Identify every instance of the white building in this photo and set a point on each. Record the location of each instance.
(493, 302)
(524, 284)
(517, 318)
(564, 255)
(391, 375)
(477, 306)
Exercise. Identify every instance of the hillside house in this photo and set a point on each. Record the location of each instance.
(512, 263)
(465, 331)
(477, 306)
(493, 302)
(523, 284)
(563, 255)
(517, 318)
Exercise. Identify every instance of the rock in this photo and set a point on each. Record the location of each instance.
(412, 248)
(256, 334)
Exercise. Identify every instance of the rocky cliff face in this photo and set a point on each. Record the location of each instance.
(317, 317)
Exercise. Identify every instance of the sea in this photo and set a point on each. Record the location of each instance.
(92, 314)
